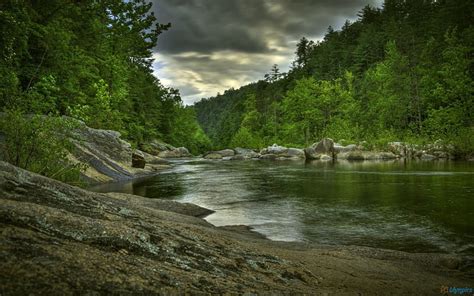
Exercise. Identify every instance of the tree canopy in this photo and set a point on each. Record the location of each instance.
(91, 60)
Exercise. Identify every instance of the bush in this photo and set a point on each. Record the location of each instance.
(39, 144)
(245, 139)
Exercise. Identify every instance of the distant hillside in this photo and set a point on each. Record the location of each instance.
(401, 72)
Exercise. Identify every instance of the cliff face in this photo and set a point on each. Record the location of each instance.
(59, 239)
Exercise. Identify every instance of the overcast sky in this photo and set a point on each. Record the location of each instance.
(214, 45)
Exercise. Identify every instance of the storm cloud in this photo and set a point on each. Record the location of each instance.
(214, 45)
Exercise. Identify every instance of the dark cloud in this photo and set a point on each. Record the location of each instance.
(214, 44)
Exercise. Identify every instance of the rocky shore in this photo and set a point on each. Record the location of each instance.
(58, 239)
(327, 150)
(108, 158)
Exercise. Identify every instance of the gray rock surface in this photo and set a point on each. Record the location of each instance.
(57, 239)
(213, 156)
(109, 158)
(340, 148)
(226, 153)
(246, 153)
(324, 147)
(366, 155)
(179, 152)
(281, 153)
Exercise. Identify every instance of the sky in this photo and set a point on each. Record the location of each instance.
(214, 45)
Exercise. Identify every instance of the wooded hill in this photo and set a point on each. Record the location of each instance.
(402, 72)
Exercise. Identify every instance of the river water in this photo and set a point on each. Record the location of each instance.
(410, 206)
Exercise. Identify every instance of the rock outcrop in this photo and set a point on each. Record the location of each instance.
(221, 154)
(434, 151)
(179, 152)
(56, 239)
(109, 158)
(164, 150)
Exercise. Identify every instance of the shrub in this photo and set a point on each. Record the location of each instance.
(39, 144)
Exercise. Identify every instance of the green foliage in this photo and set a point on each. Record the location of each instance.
(245, 138)
(39, 144)
(100, 112)
(313, 107)
(90, 60)
(185, 131)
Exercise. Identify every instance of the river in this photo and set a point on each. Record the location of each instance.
(409, 206)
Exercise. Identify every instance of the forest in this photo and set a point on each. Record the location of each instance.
(89, 60)
(402, 72)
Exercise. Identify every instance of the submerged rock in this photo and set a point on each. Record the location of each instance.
(366, 155)
(426, 156)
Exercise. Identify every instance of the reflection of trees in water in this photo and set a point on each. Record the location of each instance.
(166, 186)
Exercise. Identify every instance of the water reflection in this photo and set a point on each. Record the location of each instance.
(414, 206)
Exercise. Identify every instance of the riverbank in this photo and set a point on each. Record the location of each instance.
(61, 239)
(328, 150)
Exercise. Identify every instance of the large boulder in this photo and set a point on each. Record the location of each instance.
(226, 153)
(338, 148)
(164, 150)
(138, 160)
(156, 146)
(108, 158)
(281, 153)
(246, 153)
(275, 149)
(175, 153)
(213, 156)
(317, 150)
(295, 153)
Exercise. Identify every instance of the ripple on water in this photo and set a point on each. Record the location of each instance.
(416, 207)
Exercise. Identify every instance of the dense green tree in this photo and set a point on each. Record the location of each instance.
(90, 60)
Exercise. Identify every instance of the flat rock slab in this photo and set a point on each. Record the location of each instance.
(187, 209)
